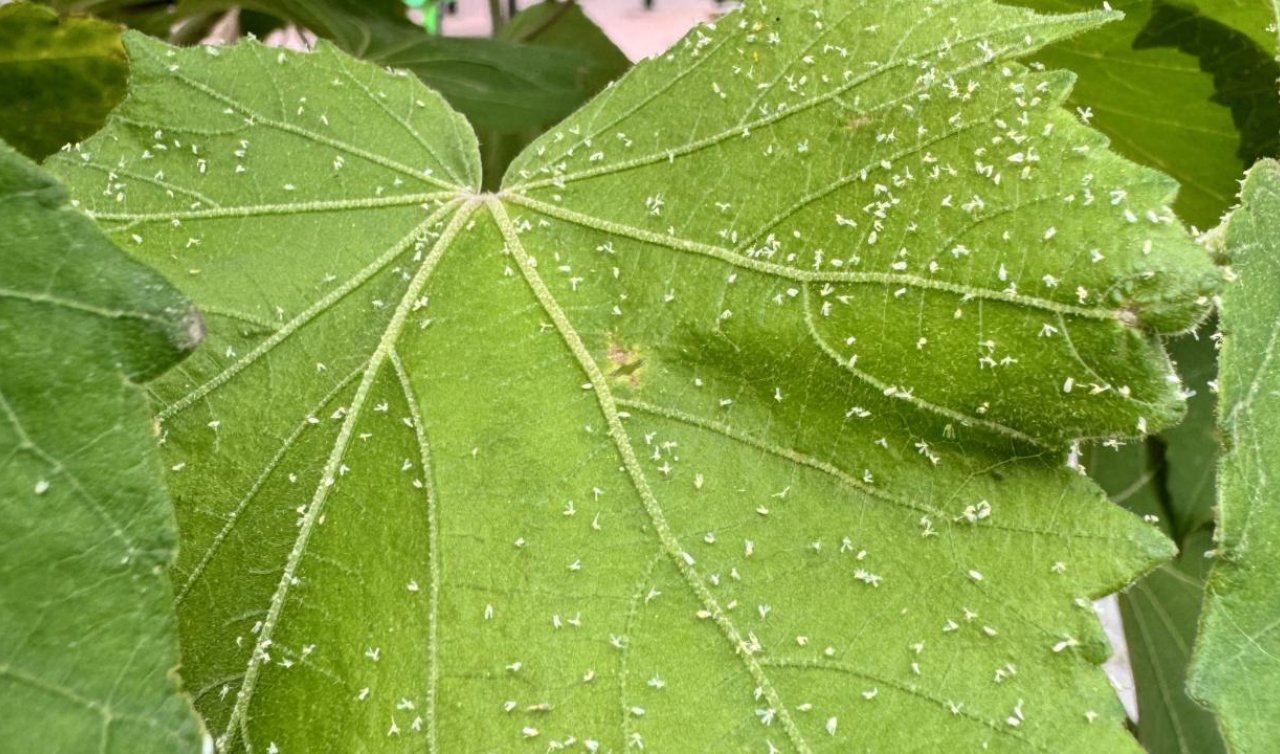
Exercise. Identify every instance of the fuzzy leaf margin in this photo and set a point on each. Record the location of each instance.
(1235, 669)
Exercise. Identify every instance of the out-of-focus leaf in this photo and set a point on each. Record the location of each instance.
(58, 78)
(551, 24)
(1186, 86)
(154, 17)
(356, 25)
(563, 25)
(88, 636)
(1192, 447)
(496, 83)
(1160, 612)
(1236, 670)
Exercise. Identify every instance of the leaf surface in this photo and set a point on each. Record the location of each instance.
(589, 463)
(58, 78)
(1235, 668)
(88, 636)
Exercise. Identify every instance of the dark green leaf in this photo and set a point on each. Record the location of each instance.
(495, 83)
(88, 637)
(155, 17)
(561, 25)
(1192, 447)
(58, 79)
(1161, 611)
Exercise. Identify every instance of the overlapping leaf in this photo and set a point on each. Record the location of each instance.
(557, 25)
(88, 642)
(1186, 86)
(1235, 668)
(58, 79)
(496, 83)
(590, 463)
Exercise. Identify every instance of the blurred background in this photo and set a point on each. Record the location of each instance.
(640, 28)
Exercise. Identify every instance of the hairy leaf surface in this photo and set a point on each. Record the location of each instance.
(736, 420)
(1235, 668)
(88, 637)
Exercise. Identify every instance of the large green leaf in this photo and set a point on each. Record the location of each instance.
(58, 79)
(1185, 86)
(589, 463)
(1235, 668)
(88, 641)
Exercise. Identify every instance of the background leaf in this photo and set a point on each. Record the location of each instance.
(551, 24)
(588, 462)
(58, 79)
(1211, 63)
(89, 647)
(154, 17)
(1186, 86)
(1235, 668)
(496, 83)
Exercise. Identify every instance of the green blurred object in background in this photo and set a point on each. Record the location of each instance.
(430, 14)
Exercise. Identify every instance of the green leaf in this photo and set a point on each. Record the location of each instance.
(555, 23)
(1185, 86)
(1160, 616)
(1191, 448)
(155, 17)
(1161, 611)
(88, 637)
(559, 25)
(433, 493)
(58, 79)
(1235, 669)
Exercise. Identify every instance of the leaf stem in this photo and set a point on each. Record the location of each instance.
(495, 16)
